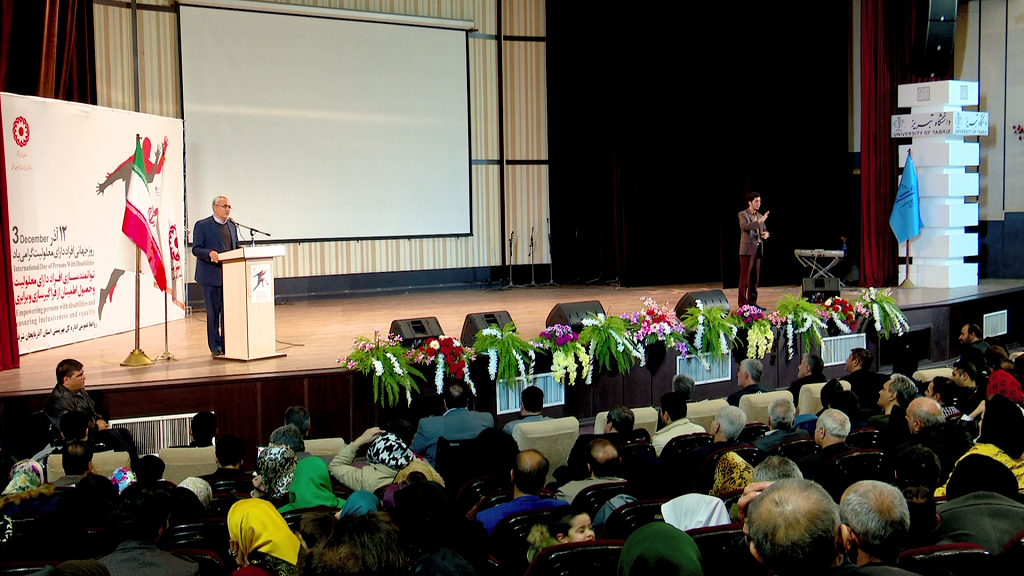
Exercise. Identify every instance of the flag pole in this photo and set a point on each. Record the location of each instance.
(137, 357)
(906, 281)
(166, 354)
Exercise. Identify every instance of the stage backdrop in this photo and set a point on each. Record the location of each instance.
(68, 167)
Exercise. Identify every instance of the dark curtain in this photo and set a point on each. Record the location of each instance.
(9, 357)
(887, 42)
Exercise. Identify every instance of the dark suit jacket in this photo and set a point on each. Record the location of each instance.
(456, 424)
(983, 518)
(949, 441)
(750, 232)
(866, 385)
(766, 443)
(734, 398)
(206, 237)
(812, 465)
(797, 384)
(134, 558)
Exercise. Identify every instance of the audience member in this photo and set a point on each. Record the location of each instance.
(359, 546)
(944, 391)
(918, 466)
(149, 468)
(261, 538)
(829, 391)
(923, 519)
(275, 468)
(604, 467)
(658, 548)
(77, 463)
(26, 494)
(93, 500)
(897, 393)
(794, 528)
(775, 468)
(971, 395)
(298, 416)
(528, 476)
(230, 453)
(848, 403)
(530, 407)
(749, 380)
(980, 508)
(572, 526)
(385, 457)
(1000, 381)
(1000, 439)
(433, 535)
(136, 522)
(314, 527)
(203, 429)
(185, 506)
(310, 487)
(726, 429)
(69, 395)
(972, 346)
(863, 381)
(683, 384)
(781, 415)
(201, 488)
(830, 434)
(929, 428)
(876, 521)
(620, 420)
(672, 421)
(457, 423)
(360, 503)
(289, 436)
(810, 371)
(122, 478)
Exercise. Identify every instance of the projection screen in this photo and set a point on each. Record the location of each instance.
(325, 128)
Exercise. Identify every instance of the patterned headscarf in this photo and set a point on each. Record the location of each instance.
(201, 488)
(389, 450)
(122, 478)
(25, 475)
(276, 466)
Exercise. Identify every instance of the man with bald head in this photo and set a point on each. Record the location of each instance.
(830, 434)
(211, 237)
(929, 428)
(794, 528)
(529, 472)
(876, 521)
(603, 464)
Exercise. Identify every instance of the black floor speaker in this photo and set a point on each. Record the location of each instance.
(707, 297)
(573, 313)
(415, 331)
(477, 322)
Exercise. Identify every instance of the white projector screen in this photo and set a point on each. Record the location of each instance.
(320, 128)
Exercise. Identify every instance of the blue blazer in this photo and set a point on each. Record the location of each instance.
(205, 238)
(458, 424)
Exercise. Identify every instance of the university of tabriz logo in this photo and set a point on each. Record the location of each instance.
(21, 131)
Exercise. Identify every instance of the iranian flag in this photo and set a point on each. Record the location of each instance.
(168, 227)
(140, 218)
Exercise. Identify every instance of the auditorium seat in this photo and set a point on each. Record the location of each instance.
(104, 462)
(863, 438)
(755, 406)
(810, 397)
(703, 413)
(508, 539)
(926, 376)
(849, 467)
(592, 498)
(553, 438)
(961, 559)
(293, 517)
(705, 476)
(210, 564)
(475, 489)
(716, 545)
(327, 448)
(753, 430)
(627, 518)
(795, 449)
(644, 417)
(181, 463)
(210, 534)
(594, 558)
(633, 448)
(458, 461)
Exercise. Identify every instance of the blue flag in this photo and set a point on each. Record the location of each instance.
(905, 220)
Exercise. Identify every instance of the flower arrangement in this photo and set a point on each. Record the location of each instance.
(802, 320)
(654, 324)
(386, 359)
(607, 340)
(880, 306)
(760, 336)
(449, 356)
(509, 355)
(840, 313)
(567, 354)
(715, 331)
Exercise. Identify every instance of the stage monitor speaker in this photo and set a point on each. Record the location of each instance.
(818, 290)
(708, 297)
(934, 36)
(573, 313)
(476, 322)
(415, 331)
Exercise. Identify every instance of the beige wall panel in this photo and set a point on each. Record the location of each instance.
(1014, 148)
(523, 18)
(113, 38)
(159, 76)
(992, 99)
(526, 206)
(525, 100)
(483, 99)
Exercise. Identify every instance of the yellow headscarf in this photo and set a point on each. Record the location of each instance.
(258, 527)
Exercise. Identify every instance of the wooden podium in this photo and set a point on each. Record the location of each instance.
(249, 329)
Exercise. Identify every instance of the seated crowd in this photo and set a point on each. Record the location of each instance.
(886, 467)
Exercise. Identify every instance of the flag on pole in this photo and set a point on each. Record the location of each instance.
(140, 218)
(905, 220)
(168, 228)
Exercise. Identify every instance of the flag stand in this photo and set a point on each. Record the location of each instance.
(906, 281)
(166, 354)
(137, 356)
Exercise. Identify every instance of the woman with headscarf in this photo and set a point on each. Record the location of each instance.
(386, 456)
(1000, 439)
(26, 493)
(275, 468)
(311, 487)
(122, 478)
(261, 541)
(190, 500)
(658, 548)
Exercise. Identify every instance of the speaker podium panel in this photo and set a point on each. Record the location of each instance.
(249, 322)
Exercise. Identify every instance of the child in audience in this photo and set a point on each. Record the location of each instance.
(570, 526)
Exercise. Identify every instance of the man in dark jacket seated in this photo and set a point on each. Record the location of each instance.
(830, 433)
(929, 428)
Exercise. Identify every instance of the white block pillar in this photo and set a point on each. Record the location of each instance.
(937, 125)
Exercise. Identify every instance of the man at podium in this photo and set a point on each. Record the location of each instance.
(210, 237)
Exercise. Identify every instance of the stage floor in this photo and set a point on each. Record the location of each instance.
(314, 334)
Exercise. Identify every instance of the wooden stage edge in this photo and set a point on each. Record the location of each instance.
(250, 398)
(315, 334)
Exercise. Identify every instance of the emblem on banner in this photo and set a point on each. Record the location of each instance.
(21, 131)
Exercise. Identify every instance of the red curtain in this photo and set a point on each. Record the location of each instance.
(887, 37)
(9, 357)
